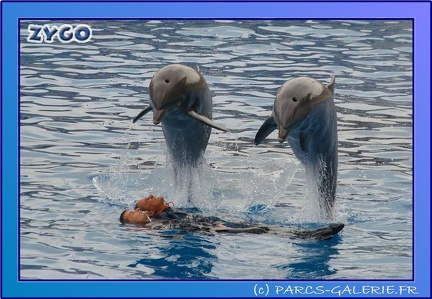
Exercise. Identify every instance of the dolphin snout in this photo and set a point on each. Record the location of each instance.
(157, 116)
(283, 133)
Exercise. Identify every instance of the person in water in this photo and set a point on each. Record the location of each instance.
(154, 212)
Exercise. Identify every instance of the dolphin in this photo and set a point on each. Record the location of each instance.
(181, 101)
(304, 112)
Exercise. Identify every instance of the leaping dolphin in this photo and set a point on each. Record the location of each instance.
(305, 114)
(181, 101)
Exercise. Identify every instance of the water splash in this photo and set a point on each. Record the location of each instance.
(117, 185)
(191, 186)
(313, 207)
(255, 187)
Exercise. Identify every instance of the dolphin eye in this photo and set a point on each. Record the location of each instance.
(166, 80)
(294, 100)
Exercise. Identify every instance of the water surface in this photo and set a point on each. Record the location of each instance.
(82, 161)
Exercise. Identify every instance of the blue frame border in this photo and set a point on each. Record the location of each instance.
(12, 12)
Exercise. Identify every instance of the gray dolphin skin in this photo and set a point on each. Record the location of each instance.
(181, 101)
(305, 115)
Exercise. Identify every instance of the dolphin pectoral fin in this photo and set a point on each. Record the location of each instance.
(304, 139)
(142, 113)
(206, 120)
(266, 128)
(331, 85)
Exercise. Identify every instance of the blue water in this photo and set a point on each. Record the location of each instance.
(83, 162)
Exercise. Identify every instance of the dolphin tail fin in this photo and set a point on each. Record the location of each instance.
(267, 127)
(142, 113)
(331, 85)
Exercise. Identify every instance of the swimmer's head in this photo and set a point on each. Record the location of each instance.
(134, 216)
(154, 205)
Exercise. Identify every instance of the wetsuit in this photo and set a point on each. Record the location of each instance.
(191, 222)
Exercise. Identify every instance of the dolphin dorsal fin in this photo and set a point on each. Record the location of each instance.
(331, 85)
